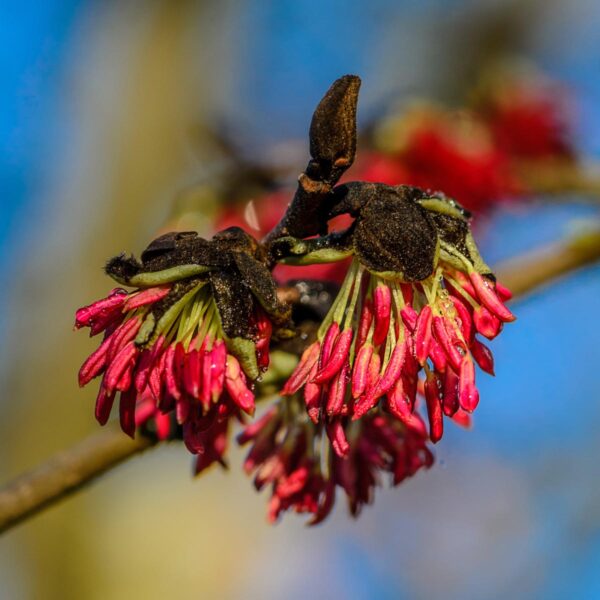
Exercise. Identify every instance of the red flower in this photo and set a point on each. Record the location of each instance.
(290, 455)
(382, 333)
(527, 117)
(184, 369)
(453, 152)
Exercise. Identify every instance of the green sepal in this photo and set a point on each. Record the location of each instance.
(146, 330)
(169, 316)
(317, 257)
(445, 207)
(153, 278)
(478, 262)
(245, 351)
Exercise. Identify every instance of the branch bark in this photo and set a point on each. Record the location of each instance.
(333, 149)
(66, 473)
(72, 469)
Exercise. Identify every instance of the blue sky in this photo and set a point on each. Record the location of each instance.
(543, 405)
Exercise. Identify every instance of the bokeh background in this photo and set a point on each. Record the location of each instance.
(108, 113)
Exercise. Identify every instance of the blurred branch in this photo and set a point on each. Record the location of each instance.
(539, 267)
(562, 177)
(69, 471)
(65, 473)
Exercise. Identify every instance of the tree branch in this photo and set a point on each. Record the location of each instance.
(559, 178)
(69, 471)
(66, 473)
(333, 149)
(539, 267)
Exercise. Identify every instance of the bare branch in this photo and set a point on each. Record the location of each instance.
(527, 272)
(333, 148)
(66, 473)
(559, 178)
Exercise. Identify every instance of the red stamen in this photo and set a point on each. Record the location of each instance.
(489, 298)
(423, 334)
(118, 366)
(337, 436)
(300, 375)
(337, 391)
(149, 296)
(235, 385)
(127, 411)
(122, 336)
(171, 381)
(382, 308)
(434, 409)
(95, 364)
(487, 324)
(503, 292)
(442, 336)
(360, 370)
(468, 394)
(450, 402)
(312, 396)
(218, 365)
(483, 356)
(191, 373)
(366, 317)
(104, 402)
(339, 355)
(464, 320)
(409, 317)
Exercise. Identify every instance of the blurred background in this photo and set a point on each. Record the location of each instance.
(121, 118)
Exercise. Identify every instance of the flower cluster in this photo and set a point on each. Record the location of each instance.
(290, 455)
(382, 334)
(476, 153)
(398, 344)
(441, 150)
(182, 367)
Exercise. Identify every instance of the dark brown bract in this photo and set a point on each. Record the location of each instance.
(232, 262)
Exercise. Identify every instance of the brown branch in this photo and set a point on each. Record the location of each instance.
(539, 267)
(70, 470)
(66, 473)
(333, 149)
(561, 177)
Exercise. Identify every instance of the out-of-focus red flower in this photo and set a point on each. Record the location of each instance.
(257, 215)
(527, 117)
(383, 445)
(438, 150)
(291, 456)
(378, 167)
(475, 155)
